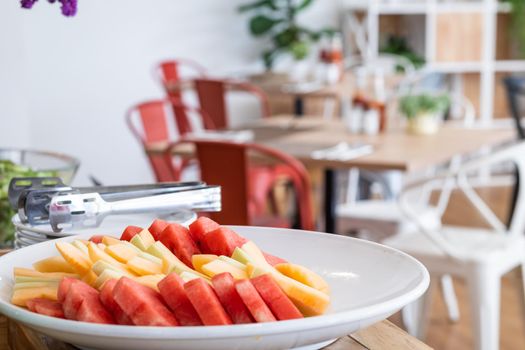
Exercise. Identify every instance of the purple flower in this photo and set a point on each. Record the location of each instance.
(69, 7)
(27, 4)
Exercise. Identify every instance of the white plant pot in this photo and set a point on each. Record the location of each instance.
(424, 124)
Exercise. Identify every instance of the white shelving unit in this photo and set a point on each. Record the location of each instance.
(425, 34)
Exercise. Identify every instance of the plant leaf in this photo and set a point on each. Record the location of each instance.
(261, 24)
(257, 4)
(303, 5)
(285, 37)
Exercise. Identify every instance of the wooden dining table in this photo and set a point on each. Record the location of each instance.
(392, 150)
(382, 335)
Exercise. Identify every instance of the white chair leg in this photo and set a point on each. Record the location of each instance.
(484, 290)
(449, 295)
(416, 315)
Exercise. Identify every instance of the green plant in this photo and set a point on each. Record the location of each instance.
(397, 45)
(413, 105)
(517, 22)
(278, 19)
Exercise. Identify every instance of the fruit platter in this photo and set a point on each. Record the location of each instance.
(165, 285)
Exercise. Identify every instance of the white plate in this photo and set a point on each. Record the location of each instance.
(369, 282)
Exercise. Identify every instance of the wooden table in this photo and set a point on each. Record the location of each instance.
(382, 335)
(393, 150)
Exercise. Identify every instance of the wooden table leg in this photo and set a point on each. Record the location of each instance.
(329, 200)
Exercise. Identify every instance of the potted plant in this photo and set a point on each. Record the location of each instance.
(277, 19)
(424, 112)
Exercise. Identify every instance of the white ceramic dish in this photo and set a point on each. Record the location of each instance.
(369, 282)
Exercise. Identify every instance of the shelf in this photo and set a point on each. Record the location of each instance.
(509, 66)
(422, 7)
(455, 67)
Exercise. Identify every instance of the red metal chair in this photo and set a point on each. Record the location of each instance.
(212, 95)
(169, 73)
(228, 164)
(151, 123)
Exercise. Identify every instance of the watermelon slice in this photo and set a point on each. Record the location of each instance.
(130, 232)
(253, 301)
(273, 260)
(172, 290)
(205, 301)
(177, 238)
(223, 241)
(156, 228)
(45, 307)
(141, 304)
(274, 297)
(82, 304)
(224, 285)
(199, 228)
(63, 288)
(96, 239)
(106, 297)
(92, 310)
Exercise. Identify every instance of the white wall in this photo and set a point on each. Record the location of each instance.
(65, 83)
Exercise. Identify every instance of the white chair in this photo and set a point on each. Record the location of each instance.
(480, 256)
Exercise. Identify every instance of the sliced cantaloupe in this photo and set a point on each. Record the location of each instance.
(143, 240)
(150, 281)
(218, 266)
(78, 260)
(151, 258)
(35, 284)
(53, 264)
(101, 265)
(122, 252)
(173, 264)
(90, 277)
(96, 254)
(102, 246)
(21, 296)
(198, 260)
(187, 276)
(23, 272)
(303, 275)
(143, 266)
(310, 301)
(108, 240)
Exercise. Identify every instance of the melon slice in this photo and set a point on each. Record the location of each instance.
(78, 260)
(53, 264)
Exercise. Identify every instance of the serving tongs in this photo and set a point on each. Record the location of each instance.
(32, 197)
(90, 209)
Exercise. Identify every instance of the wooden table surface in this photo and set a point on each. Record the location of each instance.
(382, 335)
(393, 149)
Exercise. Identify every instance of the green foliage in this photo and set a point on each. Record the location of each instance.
(277, 19)
(8, 170)
(517, 22)
(413, 105)
(397, 45)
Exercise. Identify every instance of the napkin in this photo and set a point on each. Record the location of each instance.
(343, 151)
(239, 136)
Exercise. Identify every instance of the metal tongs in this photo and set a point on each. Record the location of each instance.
(49, 201)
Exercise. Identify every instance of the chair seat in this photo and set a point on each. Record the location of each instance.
(474, 244)
(382, 216)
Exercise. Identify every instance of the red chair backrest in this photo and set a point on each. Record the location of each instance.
(154, 122)
(227, 164)
(212, 98)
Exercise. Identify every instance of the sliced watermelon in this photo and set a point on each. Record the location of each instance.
(280, 305)
(199, 228)
(157, 227)
(77, 293)
(63, 288)
(253, 301)
(130, 232)
(45, 307)
(224, 285)
(172, 290)
(106, 297)
(177, 238)
(141, 304)
(206, 302)
(223, 241)
(92, 310)
(96, 239)
(273, 260)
